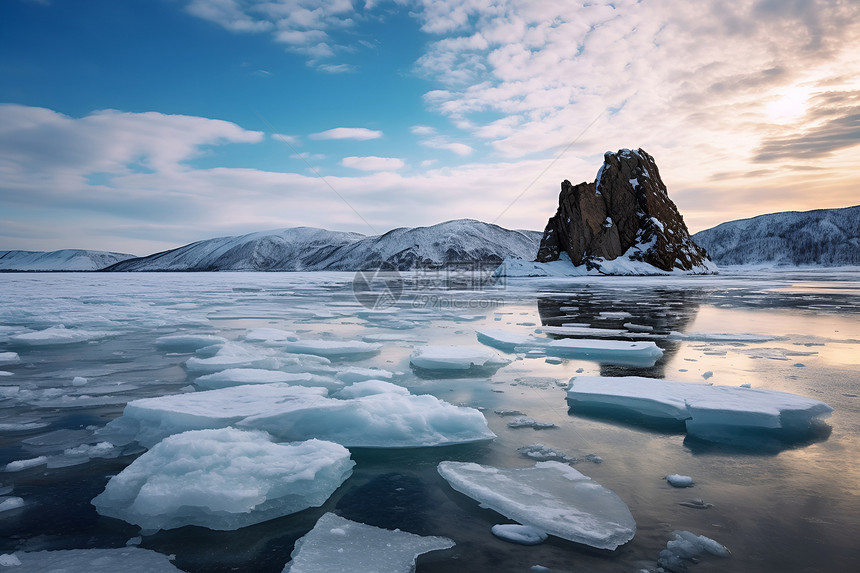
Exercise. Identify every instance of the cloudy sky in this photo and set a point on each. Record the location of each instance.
(142, 125)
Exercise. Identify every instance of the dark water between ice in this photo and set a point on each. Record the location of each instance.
(778, 507)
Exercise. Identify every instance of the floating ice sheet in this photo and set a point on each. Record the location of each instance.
(223, 479)
(241, 376)
(9, 358)
(333, 348)
(708, 411)
(338, 545)
(232, 355)
(87, 561)
(376, 415)
(455, 358)
(521, 534)
(57, 335)
(550, 496)
(187, 342)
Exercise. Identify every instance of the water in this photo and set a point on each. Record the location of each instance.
(778, 507)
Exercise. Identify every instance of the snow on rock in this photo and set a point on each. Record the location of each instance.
(709, 412)
(223, 479)
(57, 335)
(333, 348)
(677, 480)
(372, 414)
(187, 342)
(338, 545)
(686, 546)
(520, 534)
(455, 358)
(62, 260)
(550, 496)
(88, 561)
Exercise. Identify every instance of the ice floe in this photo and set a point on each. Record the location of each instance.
(87, 561)
(356, 374)
(373, 414)
(526, 422)
(455, 358)
(270, 336)
(520, 534)
(550, 496)
(242, 376)
(338, 545)
(688, 547)
(677, 480)
(333, 348)
(232, 355)
(223, 479)
(7, 358)
(187, 342)
(57, 335)
(708, 412)
(8, 503)
(613, 351)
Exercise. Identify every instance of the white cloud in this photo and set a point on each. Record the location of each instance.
(359, 133)
(422, 130)
(441, 142)
(373, 163)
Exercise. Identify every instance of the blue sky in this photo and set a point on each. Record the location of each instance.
(138, 126)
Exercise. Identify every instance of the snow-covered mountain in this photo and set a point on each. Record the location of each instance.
(826, 237)
(64, 260)
(312, 249)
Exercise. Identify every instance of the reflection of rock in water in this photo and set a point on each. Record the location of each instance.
(662, 309)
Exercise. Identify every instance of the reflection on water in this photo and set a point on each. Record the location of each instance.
(778, 506)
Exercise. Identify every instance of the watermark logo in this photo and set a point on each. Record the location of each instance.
(379, 288)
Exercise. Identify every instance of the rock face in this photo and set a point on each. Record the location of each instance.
(626, 212)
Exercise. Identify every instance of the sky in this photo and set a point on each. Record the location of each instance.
(141, 125)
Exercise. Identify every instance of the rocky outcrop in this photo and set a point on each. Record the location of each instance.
(626, 212)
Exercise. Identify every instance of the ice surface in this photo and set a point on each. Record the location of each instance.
(57, 335)
(455, 358)
(376, 414)
(338, 545)
(132, 559)
(708, 411)
(550, 496)
(526, 422)
(9, 358)
(521, 534)
(223, 479)
(20, 465)
(333, 348)
(544, 453)
(677, 480)
(270, 336)
(187, 342)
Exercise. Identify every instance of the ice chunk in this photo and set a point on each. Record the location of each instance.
(356, 374)
(688, 546)
(10, 503)
(223, 479)
(521, 534)
(89, 561)
(550, 496)
(240, 376)
(20, 465)
(152, 419)
(9, 358)
(526, 422)
(232, 355)
(187, 342)
(270, 336)
(333, 348)
(455, 358)
(57, 335)
(544, 453)
(709, 412)
(677, 480)
(369, 388)
(375, 416)
(504, 340)
(387, 419)
(338, 545)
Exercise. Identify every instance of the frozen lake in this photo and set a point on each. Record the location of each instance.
(777, 505)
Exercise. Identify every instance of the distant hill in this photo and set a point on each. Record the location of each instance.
(825, 237)
(312, 249)
(64, 260)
